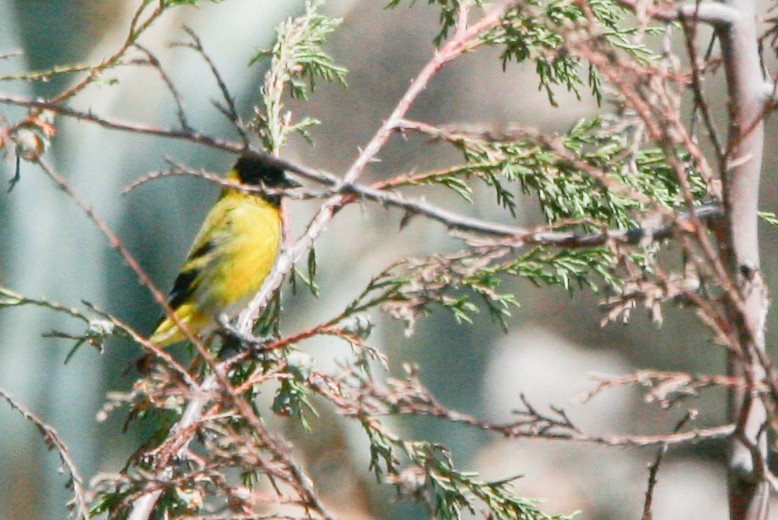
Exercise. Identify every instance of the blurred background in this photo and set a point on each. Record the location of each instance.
(555, 343)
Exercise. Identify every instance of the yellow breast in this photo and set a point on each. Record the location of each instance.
(249, 251)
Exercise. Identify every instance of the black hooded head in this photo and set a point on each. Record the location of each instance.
(254, 172)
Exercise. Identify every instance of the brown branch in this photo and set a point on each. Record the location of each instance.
(154, 62)
(661, 384)
(700, 102)
(409, 397)
(517, 430)
(749, 493)
(231, 111)
(735, 24)
(129, 259)
(53, 442)
(118, 124)
(653, 470)
(630, 83)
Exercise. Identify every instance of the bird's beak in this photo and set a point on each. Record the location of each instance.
(291, 183)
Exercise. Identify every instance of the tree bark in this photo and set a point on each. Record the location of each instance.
(748, 489)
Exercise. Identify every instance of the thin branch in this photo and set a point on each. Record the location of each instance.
(54, 442)
(129, 259)
(534, 236)
(700, 102)
(409, 397)
(654, 468)
(9, 298)
(45, 74)
(712, 13)
(661, 384)
(177, 98)
(121, 125)
(231, 110)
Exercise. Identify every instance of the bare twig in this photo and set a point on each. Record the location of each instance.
(55, 443)
(660, 385)
(231, 110)
(118, 124)
(154, 62)
(653, 470)
(116, 244)
(700, 102)
(409, 397)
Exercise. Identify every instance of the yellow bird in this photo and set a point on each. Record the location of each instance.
(231, 256)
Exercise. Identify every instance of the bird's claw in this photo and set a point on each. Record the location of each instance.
(237, 341)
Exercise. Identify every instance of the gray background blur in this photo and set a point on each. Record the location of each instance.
(49, 249)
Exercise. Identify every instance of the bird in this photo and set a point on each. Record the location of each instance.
(231, 256)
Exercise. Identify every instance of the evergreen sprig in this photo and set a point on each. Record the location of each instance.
(425, 472)
(297, 61)
(564, 191)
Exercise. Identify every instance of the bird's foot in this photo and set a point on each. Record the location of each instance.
(237, 342)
